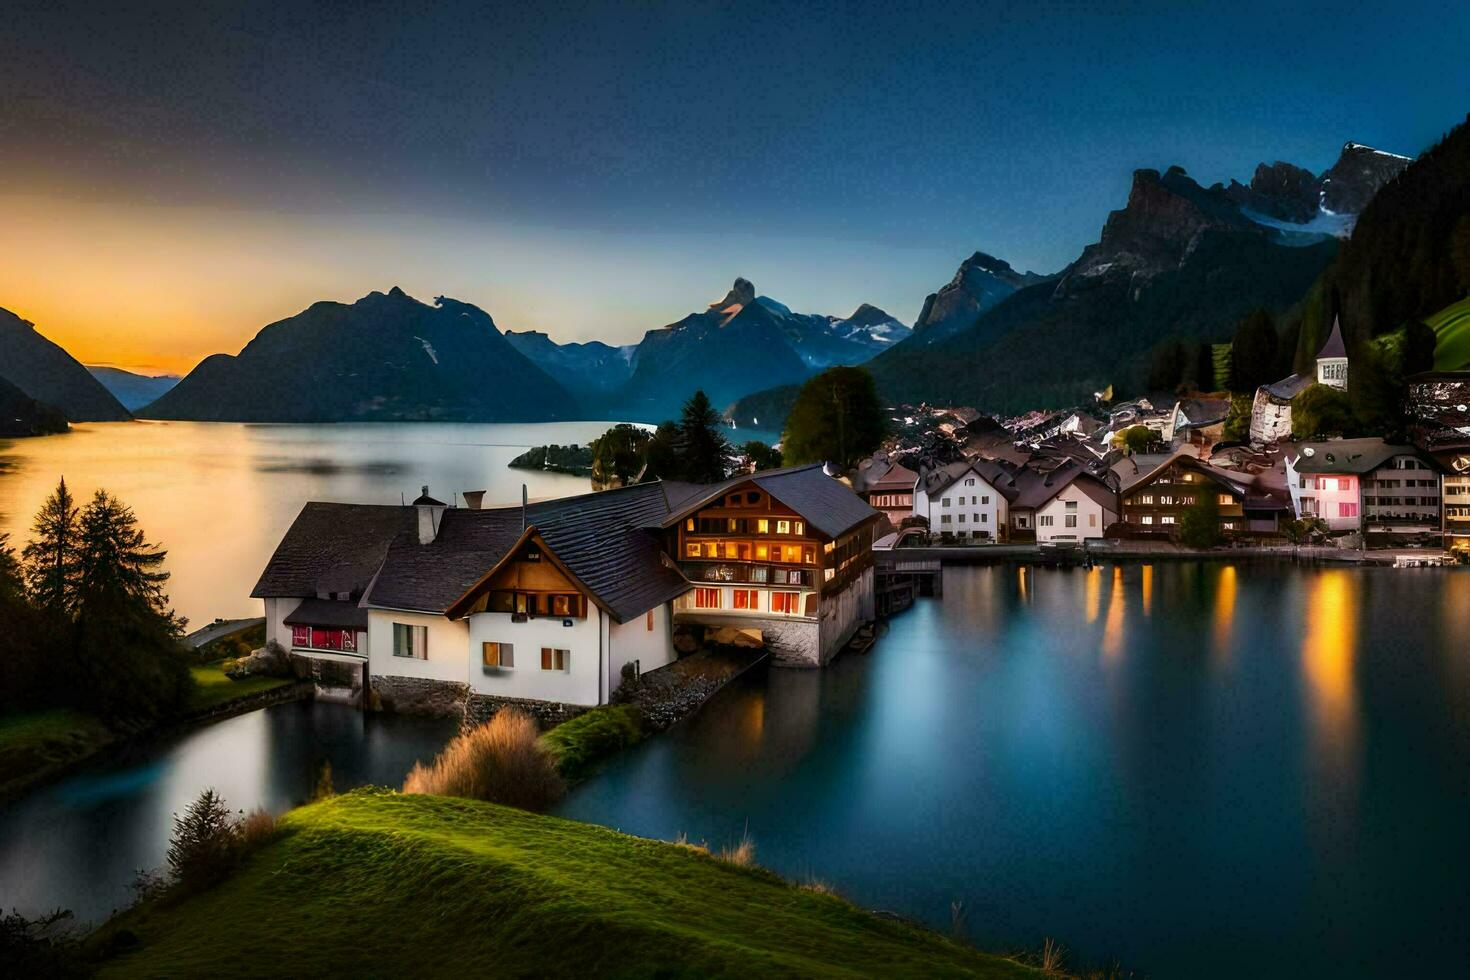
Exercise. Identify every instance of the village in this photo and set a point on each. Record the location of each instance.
(1124, 478)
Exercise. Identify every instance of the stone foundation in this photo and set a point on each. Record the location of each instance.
(419, 696)
(480, 708)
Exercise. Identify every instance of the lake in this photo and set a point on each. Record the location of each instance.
(219, 495)
(1199, 770)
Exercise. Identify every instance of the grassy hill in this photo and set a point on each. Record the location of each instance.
(1452, 328)
(380, 884)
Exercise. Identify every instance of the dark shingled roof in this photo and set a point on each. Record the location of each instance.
(332, 548)
(997, 474)
(328, 612)
(1348, 455)
(1288, 387)
(828, 505)
(598, 536)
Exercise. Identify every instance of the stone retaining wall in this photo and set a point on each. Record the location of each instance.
(480, 708)
(418, 696)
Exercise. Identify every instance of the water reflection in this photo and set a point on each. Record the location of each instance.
(1328, 654)
(1112, 642)
(1224, 615)
(76, 844)
(1148, 590)
(219, 496)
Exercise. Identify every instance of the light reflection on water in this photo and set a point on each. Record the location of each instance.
(1201, 770)
(219, 496)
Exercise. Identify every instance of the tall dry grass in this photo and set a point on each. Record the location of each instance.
(502, 761)
(742, 855)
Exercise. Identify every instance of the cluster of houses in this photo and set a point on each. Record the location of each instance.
(1058, 478)
(556, 603)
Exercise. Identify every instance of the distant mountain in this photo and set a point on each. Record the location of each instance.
(1178, 260)
(1327, 203)
(592, 367)
(980, 284)
(738, 344)
(133, 390)
(1409, 254)
(22, 415)
(50, 375)
(385, 357)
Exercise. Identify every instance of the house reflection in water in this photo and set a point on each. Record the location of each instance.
(1112, 642)
(1329, 653)
(1224, 618)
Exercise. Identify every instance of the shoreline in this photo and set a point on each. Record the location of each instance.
(997, 554)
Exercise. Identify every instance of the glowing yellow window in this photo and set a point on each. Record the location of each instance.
(692, 548)
(798, 527)
(689, 524)
(763, 526)
(762, 552)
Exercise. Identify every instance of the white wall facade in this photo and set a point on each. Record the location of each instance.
(970, 507)
(1270, 418)
(647, 639)
(447, 642)
(1333, 372)
(276, 611)
(579, 682)
(1072, 515)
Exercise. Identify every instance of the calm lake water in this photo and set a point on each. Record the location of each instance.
(1198, 770)
(219, 496)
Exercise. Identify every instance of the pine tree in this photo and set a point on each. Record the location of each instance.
(1253, 359)
(704, 452)
(117, 568)
(205, 842)
(663, 454)
(51, 557)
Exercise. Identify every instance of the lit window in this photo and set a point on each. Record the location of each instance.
(798, 527)
(566, 605)
(1226, 499)
(785, 602)
(1166, 519)
(762, 552)
(763, 526)
(553, 658)
(707, 598)
(783, 527)
(747, 599)
(1146, 519)
(692, 548)
(498, 655)
(689, 524)
(809, 555)
(1147, 498)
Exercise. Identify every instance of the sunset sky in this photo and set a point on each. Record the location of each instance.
(174, 177)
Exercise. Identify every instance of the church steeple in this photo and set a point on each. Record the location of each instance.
(1332, 360)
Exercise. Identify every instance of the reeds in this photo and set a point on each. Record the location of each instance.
(501, 761)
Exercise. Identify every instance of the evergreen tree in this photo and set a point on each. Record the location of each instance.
(117, 568)
(837, 419)
(1418, 349)
(762, 456)
(1166, 370)
(51, 556)
(1204, 367)
(1321, 411)
(1253, 357)
(619, 454)
(704, 452)
(1375, 391)
(205, 843)
(662, 454)
(12, 584)
(1199, 525)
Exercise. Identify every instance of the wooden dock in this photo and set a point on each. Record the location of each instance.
(899, 581)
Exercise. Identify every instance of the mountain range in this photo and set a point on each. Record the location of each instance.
(386, 357)
(45, 372)
(132, 390)
(1178, 261)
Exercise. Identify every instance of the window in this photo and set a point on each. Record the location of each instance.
(1147, 498)
(827, 574)
(553, 658)
(798, 527)
(301, 636)
(784, 602)
(650, 620)
(944, 502)
(783, 527)
(1071, 505)
(1226, 500)
(760, 574)
(969, 483)
(1167, 519)
(1347, 510)
(1092, 520)
(809, 555)
(763, 526)
(1071, 520)
(706, 598)
(1045, 520)
(689, 524)
(944, 518)
(747, 599)
(692, 549)
(963, 518)
(566, 605)
(984, 499)
(1146, 519)
(410, 641)
(498, 656)
(984, 518)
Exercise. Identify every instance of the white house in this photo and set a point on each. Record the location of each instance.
(1383, 490)
(417, 607)
(1069, 504)
(969, 499)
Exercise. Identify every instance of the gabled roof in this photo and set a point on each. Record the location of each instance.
(333, 613)
(828, 506)
(1237, 483)
(1037, 488)
(996, 474)
(332, 548)
(1348, 455)
(600, 538)
(1334, 346)
(1203, 411)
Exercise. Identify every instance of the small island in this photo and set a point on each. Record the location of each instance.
(573, 460)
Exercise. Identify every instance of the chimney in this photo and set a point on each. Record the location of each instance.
(474, 499)
(430, 515)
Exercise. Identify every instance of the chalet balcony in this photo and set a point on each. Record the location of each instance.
(744, 573)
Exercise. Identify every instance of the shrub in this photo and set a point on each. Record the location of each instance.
(502, 761)
(205, 842)
(742, 854)
(587, 739)
(256, 828)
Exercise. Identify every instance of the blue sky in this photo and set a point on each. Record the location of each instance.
(596, 170)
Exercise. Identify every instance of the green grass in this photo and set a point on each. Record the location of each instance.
(586, 740)
(379, 884)
(35, 745)
(1220, 356)
(212, 688)
(1451, 326)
